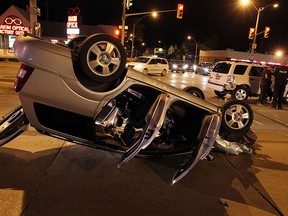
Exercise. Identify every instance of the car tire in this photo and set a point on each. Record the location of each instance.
(240, 93)
(163, 72)
(220, 93)
(195, 91)
(237, 116)
(102, 58)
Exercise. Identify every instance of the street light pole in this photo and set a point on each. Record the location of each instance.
(254, 45)
(133, 31)
(124, 15)
(123, 21)
(196, 47)
(259, 10)
(165, 47)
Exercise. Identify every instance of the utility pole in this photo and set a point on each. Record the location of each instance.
(123, 21)
(34, 11)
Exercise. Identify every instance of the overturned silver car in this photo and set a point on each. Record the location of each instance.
(82, 92)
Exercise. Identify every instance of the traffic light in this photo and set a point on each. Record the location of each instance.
(180, 9)
(129, 3)
(266, 32)
(251, 33)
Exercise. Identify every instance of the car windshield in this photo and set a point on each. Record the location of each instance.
(222, 67)
(142, 59)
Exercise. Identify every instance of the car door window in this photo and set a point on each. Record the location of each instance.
(240, 69)
(163, 61)
(153, 61)
(255, 71)
(222, 68)
(158, 61)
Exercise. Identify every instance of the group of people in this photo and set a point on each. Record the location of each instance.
(272, 85)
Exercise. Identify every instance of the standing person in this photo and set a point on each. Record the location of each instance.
(265, 82)
(281, 75)
(270, 86)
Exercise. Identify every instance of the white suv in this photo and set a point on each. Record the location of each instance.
(150, 65)
(240, 79)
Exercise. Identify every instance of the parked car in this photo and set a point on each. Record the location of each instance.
(180, 66)
(82, 93)
(240, 79)
(150, 65)
(204, 68)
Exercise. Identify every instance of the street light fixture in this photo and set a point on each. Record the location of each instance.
(259, 10)
(154, 14)
(189, 37)
(279, 53)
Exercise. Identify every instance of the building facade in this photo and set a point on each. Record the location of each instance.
(224, 55)
(16, 21)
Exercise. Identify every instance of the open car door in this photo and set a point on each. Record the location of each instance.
(12, 125)
(207, 136)
(154, 120)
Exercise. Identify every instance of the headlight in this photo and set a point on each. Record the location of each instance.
(185, 66)
(174, 66)
(194, 67)
(138, 67)
(230, 79)
(206, 69)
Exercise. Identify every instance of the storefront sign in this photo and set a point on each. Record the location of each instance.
(13, 25)
(72, 24)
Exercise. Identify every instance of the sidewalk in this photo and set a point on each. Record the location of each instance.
(280, 116)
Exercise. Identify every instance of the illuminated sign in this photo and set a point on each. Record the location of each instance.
(72, 24)
(13, 25)
(73, 31)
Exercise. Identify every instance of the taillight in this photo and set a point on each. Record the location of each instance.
(22, 76)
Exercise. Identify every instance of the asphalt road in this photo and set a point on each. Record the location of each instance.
(41, 175)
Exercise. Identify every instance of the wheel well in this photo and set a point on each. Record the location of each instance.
(247, 87)
(93, 85)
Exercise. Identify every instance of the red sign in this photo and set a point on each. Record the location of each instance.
(13, 25)
(72, 24)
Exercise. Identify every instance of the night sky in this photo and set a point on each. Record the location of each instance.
(220, 24)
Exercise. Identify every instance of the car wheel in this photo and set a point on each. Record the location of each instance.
(240, 93)
(220, 93)
(237, 116)
(102, 58)
(195, 91)
(163, 73)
